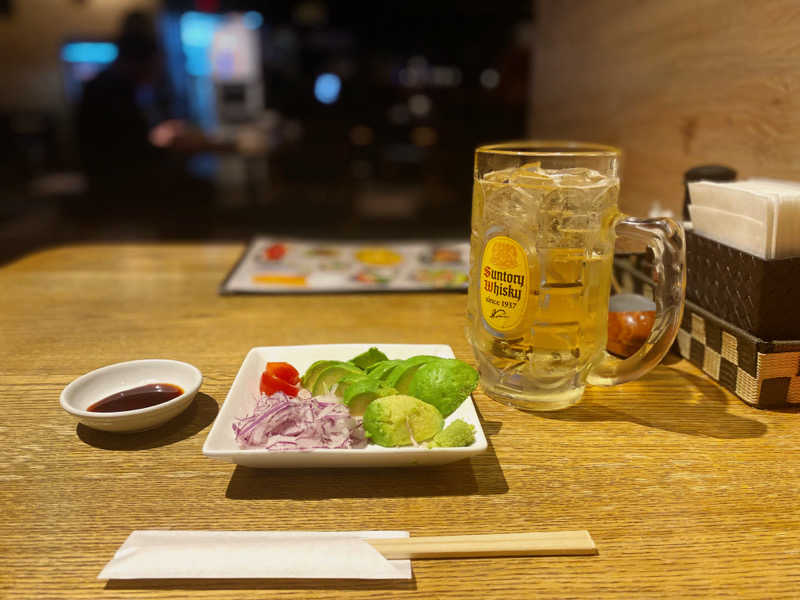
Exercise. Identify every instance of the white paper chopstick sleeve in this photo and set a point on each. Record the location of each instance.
(165, 554)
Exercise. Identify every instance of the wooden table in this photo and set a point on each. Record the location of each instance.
(686, 491)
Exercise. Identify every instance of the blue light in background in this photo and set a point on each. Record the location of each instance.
(252, 19)
(197, 33)
(89, 52)
(327, 88)
(197, 29)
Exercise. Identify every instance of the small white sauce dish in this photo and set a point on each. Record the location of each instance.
(92, 387)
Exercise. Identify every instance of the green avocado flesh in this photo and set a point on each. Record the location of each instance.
(439, 383)
(394, 420)
(310, 376)
(360, 393)
(348, 380)
(331, 375)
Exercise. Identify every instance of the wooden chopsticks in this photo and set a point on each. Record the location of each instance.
(551, 543)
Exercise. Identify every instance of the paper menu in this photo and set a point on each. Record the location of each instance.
(172, 554)
(272, 265)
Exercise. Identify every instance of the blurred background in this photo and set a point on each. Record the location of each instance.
(182, 119)
(218, 119)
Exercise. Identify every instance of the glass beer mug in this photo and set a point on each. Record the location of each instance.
(544, 223)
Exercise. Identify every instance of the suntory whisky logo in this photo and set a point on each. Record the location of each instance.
(504, 283)
(504, 255)
(495, 281)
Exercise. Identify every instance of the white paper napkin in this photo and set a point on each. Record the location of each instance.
(167, 554)
(759, 216)
(738, 231)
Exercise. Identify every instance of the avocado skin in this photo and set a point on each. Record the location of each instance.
(368, 358)
(400, 376)
(382, 369)
(444, 383)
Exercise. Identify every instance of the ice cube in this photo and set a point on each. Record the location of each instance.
(580, 222)
(532, 175)
(580, 177)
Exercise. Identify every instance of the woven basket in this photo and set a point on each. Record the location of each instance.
(764, 374)
(759, 296)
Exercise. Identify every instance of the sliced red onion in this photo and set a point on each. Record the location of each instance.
(282, 422)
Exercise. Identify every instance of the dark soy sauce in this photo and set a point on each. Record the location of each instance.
(138, 397)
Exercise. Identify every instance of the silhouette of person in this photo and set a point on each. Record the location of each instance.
(113, 127)
(134, 166)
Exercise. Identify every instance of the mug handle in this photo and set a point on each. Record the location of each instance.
(666, 240)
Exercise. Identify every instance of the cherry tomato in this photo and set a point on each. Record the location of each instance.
(271, 384)
(284, 371)
(275, 252)
(280, 377)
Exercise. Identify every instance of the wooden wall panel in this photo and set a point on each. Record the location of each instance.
(675, 84)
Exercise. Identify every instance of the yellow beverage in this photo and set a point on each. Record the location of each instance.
(541, 255)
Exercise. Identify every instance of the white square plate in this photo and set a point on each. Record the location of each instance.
(221, 443)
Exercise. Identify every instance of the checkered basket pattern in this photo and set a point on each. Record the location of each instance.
(763, 374)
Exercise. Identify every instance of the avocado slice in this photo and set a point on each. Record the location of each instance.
(400, 377)
(445, 383)
(310, 376)
(372, 367)
(383, 367)
(368, 358)
(348, 380)
(358, 395)
(331, 375)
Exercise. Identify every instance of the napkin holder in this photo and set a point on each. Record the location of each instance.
(764, 374)
(761, 297)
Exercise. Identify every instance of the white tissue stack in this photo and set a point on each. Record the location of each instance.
(758, 216)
